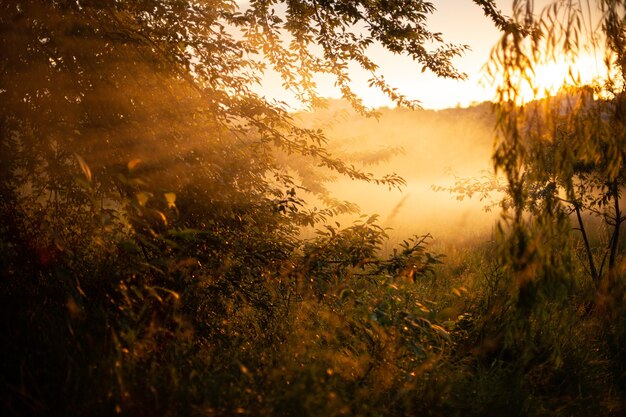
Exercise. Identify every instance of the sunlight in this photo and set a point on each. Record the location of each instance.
(549, 78)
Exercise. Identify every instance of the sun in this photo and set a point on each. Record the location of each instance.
(547, 79)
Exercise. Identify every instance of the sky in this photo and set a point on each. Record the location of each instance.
(461, 22)
(419, 207)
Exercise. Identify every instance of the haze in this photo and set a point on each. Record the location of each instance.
(426, 148)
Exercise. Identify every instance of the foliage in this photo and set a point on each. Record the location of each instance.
(151, 257)
(150, 231)
(571, 143)
(484, 187)
(562, 155)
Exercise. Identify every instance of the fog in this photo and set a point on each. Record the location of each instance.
(427, 148)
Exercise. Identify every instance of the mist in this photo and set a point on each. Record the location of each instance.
(427, 148)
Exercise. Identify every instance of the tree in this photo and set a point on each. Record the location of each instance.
(170, 84)
(142, 197)
(563, 153)
(563, 160)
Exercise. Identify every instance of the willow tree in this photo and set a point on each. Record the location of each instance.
(563, 155)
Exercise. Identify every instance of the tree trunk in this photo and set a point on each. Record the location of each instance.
(618, 222)
(592, 264)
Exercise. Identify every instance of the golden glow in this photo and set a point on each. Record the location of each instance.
(435, 146)
(461, 22)
(547, 79)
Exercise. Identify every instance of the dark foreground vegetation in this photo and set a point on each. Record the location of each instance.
(150, 253)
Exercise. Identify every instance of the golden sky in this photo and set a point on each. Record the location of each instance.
(461, 22)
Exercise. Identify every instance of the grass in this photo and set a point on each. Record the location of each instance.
(450, 341)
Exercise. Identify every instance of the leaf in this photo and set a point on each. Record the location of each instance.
(84, 167)
(171, 199)
(441, 331)
(163, 218)
(142, 198)
(132, 164)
